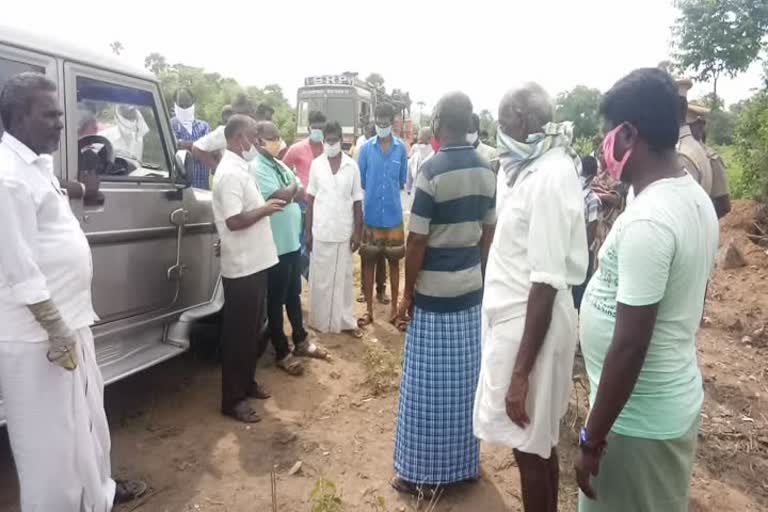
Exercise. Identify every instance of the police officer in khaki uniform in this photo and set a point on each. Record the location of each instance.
(693, 156)
(720, 192)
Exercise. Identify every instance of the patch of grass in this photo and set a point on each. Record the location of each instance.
(324, 497)
(382, 369)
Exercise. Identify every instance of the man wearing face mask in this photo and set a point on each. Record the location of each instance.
(188, 129)
(383, 162)
(334, 228)
(300, 155)
(276, 180)
(641, 311)
(473, 138)
(539, 252)
(247, 252)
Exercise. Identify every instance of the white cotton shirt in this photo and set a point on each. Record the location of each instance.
(44, 254)
(245, 251)
(213, 141)
(333, 217)
(540, 236)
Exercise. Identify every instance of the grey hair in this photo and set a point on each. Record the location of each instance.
(237, 124)
(17, 94)
(532, 103)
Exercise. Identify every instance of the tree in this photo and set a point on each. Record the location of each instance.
(376, 80)
(752, 147)
(580, 106)
(488, 124)
(717, 37)
(117, 47)
(156, 63)
(668, 66)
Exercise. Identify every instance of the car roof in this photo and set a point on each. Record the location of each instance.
(45, 44)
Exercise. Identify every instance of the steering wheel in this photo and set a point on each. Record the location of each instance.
(106, 154)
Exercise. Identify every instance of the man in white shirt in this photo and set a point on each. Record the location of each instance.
(334, 227)
(529, 322)
(247, 252)
(209, 148)
(52, 387)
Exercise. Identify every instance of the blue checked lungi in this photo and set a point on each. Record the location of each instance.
(435, 443)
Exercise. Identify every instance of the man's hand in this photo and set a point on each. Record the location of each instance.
(273, 206)
(406, 307)
(354, 244)
(587, 465)
(515, 400)
(186, 145)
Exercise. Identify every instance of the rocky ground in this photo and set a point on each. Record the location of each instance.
(327, 437)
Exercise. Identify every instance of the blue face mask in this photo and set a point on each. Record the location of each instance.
(383, 132)
(316, 135)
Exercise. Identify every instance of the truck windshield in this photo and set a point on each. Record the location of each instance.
(341, 110)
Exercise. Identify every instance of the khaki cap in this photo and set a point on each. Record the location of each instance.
(696, 113)
(683, 86)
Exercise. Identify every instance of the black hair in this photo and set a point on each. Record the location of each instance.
(16, 96)
(475, 123)
(647, 99)
(236, 124)
(242, 105)
(316, 117)
(332, 127)
(588, 166)
(184, 90)
(454, 113)
(385, 110)
(263, 109)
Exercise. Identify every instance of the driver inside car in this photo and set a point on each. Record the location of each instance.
(127, 135)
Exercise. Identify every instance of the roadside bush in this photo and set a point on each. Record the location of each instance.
(752, 148)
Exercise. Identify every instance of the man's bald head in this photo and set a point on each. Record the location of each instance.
(453, 115)
(525, 110)
(241, 133)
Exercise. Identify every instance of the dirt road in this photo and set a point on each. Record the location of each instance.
(338, 420)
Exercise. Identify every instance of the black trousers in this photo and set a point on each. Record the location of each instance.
(578, 291)
(242, 336)
(380, 273)
(285, 290)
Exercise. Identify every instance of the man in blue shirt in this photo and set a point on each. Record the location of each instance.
(383, 162)
(187, 129)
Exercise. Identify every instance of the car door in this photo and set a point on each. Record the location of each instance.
(135, 232)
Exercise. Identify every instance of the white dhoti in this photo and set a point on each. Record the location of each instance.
(331, 287)
(58, 428)
(549, 385)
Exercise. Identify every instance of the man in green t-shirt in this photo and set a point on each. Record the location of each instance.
(641, 311)
(276, 180)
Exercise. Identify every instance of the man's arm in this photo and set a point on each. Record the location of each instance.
(415, 250)
(722, 205)
(404, 169)
(210, 159)
(591, 232)
(309, 218)
(362, 164)
(247, 219)
(286, 194)
(357, 236)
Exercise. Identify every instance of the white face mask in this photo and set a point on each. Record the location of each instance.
(332, 150)
(250, 153)
(186, 116)
(472, 137)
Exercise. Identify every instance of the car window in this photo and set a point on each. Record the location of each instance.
(125, 119)
(9, 68)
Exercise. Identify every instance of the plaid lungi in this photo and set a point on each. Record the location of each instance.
(435, 443)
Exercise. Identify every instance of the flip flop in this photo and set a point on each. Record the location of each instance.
(361, 299)
(355, 333)
(243, 412)
(258, 392)
(309, 349)
(291, 366)
(365, 320)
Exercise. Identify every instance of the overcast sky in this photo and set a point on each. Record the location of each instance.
(420, 46)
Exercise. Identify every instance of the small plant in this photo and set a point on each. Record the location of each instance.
(324, 497)
(382, 370)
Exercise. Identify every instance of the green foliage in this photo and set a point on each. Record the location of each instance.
(752, 148)
(581, 107)
(721, 127)
(733, 166)
(713, 37)
(324, 498)
(212, 92)
(583, 145)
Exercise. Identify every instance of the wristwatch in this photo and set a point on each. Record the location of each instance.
(585, 443)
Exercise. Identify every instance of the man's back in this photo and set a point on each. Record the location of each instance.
(540, 236)
(693, 157)
(454, 198)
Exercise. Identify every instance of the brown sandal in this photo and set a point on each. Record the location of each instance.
(309, 349)
(365, 320)
(291, 366)
(355, 333)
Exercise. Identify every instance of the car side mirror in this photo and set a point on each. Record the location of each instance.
(184, 165)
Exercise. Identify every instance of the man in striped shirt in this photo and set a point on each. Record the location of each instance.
(450, 233)
(187, 129)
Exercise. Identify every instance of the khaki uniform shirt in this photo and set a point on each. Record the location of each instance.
(693, 157)
(720, 186)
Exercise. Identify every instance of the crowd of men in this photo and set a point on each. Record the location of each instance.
(500, 246)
